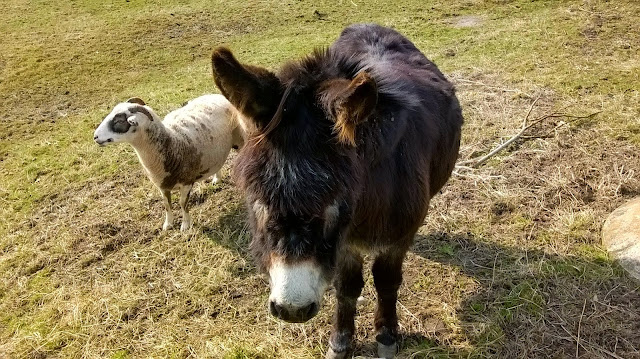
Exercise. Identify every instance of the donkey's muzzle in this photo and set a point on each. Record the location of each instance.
(293, 314)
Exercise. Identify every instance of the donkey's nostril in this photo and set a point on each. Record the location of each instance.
(309, 311)
(293, 314)
(275, 309)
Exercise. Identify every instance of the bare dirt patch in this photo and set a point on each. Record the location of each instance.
(467, 21)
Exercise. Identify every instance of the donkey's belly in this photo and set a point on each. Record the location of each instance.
(383, 234)
(369, 248)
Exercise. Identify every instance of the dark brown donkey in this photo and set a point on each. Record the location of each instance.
(346, 148)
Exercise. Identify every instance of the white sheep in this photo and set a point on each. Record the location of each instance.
(191, 144)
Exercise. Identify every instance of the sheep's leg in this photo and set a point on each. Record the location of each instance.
(216, 177)
(168, 215)
(184, 198)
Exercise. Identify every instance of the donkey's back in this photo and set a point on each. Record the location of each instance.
(411, 143)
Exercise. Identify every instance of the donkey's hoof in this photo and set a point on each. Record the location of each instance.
(387, 351)
(335, 355)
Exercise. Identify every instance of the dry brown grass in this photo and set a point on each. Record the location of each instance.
(524, 231)
(508, 263)
(503, 266)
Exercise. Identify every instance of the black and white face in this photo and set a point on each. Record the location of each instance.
(122, 124)
(299, 255)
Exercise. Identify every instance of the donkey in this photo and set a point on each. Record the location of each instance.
(346, 147)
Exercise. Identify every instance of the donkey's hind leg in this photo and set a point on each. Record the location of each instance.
(348, 283)
(387, 277)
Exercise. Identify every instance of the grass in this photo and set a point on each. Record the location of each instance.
(508, 264)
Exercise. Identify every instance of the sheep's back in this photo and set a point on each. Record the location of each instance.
(203, 128)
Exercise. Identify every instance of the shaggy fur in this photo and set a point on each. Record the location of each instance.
(349, 145)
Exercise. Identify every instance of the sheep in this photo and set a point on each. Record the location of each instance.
(191, 144)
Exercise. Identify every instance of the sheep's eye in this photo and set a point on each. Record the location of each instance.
(120, 124)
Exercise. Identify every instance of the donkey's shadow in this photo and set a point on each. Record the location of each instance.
(531, 303)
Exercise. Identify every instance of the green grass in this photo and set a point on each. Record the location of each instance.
(508, 261)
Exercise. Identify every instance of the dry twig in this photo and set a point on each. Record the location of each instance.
(526, 125)
(580, 327)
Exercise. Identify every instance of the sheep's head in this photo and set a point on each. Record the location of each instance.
(122, 124)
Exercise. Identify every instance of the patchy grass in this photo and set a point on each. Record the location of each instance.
(508, 264)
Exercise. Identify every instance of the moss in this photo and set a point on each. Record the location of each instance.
(244, 353)
(120, 354)
(524, 298)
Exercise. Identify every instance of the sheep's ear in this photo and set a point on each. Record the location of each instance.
(351, 103)
(137, 100)
(132, 120)
(253, 90)
(141, 109)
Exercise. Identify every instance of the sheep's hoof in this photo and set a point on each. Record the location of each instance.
(215, 179)
(186, 225)
(167, 226)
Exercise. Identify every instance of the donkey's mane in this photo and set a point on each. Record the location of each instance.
(307, 74)
(277, 116)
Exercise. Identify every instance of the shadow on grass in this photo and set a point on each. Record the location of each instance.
(529, 304)
(231, 231)
(532, 304)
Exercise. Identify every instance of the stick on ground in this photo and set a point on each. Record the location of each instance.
(478, 161)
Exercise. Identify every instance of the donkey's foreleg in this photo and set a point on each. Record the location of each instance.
(387, 277)
(348, 283)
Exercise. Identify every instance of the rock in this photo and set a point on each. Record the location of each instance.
(621, 236)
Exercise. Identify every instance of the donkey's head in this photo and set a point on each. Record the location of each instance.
(299, 169)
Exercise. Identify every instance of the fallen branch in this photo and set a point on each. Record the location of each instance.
(580, 327)
(478, 161)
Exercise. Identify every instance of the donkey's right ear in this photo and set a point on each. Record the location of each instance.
(254, 91)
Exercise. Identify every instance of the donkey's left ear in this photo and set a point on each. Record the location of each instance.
(352, 104)
(253, 90)
(137, 100)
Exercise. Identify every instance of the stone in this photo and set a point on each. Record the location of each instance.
(621, 236)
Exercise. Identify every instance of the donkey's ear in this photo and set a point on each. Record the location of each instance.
(351, 102)
(137, 100)
(253, 90)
